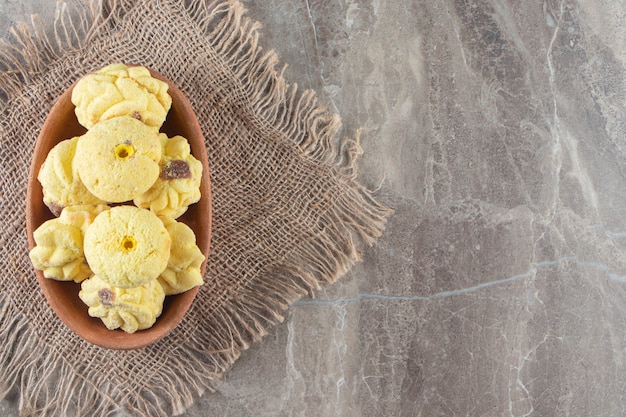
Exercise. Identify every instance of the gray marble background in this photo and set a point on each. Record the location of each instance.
(496, 129)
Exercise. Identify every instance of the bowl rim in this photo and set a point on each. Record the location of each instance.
(118, 339)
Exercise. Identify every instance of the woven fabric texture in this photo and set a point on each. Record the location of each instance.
(288, 214)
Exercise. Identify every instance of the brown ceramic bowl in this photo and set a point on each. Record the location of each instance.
(62, 124)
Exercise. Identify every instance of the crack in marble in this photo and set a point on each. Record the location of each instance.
(615, 235)
(293, 375)
(446, 294)
(317, 49)
(342, 350)
(561, 135)
(305, 50)
(518, 379)
(308, 10)
(557, 149)
(608, 233)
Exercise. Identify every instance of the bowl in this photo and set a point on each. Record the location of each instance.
(62, 124)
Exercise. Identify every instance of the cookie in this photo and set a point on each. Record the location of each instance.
(61, 185)
(81, 216)
(118, 159)
(130, 309)
(178, 185)
(117, 90)
(58, 251)
(183, 268)
(127, 246)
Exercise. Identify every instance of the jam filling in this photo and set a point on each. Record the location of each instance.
(175, 169)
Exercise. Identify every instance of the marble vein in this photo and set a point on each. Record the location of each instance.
(615, 235)
(310, 15)
(557, 149)
(599, 266)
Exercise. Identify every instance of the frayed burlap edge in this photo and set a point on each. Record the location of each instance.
(48, 385)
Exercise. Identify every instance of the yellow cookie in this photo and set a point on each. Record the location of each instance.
(59, 251)
(117, 90)
(118, 159)
(127, 246)
(81, 216)
(178, 185)
(130, 309)
(183, 268)
(61, 185)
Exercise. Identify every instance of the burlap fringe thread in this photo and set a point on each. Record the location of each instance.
(48, 385)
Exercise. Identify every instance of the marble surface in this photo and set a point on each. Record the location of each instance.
(496, 129)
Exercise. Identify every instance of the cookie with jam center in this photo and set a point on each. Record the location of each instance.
(118, 159)
(127, 246)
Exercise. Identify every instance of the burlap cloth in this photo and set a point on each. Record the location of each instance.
(288, 213)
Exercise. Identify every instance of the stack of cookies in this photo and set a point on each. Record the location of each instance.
(116, 192)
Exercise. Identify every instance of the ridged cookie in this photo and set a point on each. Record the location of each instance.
(58, 251)
(183, 268)
(130, 309)
(178, 185)
(61, 185)
(117, 90)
